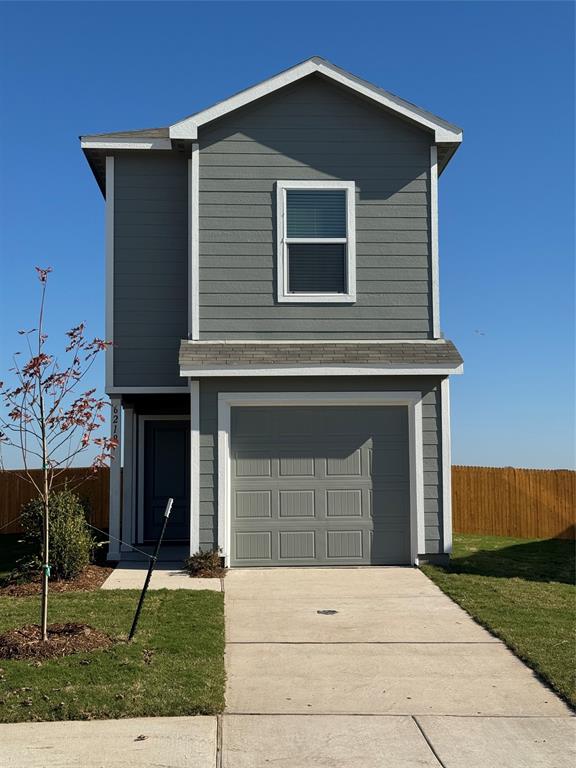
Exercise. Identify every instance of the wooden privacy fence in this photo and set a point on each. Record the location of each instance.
(527, 503)
(14, 492)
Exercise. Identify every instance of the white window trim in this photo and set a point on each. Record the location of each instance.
(413, 401)
(282, 241)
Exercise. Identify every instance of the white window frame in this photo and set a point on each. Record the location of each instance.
(282, 242)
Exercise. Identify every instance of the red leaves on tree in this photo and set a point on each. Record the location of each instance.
(46, 417)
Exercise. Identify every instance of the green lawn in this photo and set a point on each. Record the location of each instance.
(174, 666)
(523, 591)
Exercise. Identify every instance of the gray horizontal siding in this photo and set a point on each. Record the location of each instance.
(431, 428)
(150, 268)
(313, 130)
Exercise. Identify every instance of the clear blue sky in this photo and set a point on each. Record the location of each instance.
(503, 71)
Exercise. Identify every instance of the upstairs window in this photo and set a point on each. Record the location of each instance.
(316, 241)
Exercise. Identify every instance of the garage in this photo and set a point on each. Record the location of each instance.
(319, 485)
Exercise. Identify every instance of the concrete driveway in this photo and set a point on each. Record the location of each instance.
(376, 667)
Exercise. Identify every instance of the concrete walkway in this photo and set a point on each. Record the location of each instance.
(376, 667)
(131, 575)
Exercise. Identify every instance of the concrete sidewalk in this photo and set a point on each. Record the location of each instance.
(292, 741)
(131, 575)
(175, 742)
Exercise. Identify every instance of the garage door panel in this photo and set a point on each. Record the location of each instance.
(294, 465)
(252, 464)
(253, 546)
(345, 545)
(297, 545)
(250, 422)
(349, 464)
(251, 505)
(389, 548)
(386, 502)
(299, 503)
(344, 503)
(322, 486)
(389, 460)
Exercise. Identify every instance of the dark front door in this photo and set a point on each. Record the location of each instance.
(167, 474)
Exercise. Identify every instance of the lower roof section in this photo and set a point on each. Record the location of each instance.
(317, 358)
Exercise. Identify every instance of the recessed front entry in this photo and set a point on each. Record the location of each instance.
(166, 473)
(320, 485)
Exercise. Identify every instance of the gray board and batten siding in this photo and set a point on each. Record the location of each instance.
(150, 267)
(314, 130)
(431, 424)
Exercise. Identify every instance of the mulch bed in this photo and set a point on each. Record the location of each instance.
(91, 578)
(63, 639)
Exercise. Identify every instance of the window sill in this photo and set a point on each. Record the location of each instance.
(317, 298)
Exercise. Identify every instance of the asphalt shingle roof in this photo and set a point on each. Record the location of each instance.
(195, 356)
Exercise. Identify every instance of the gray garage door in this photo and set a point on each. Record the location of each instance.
(320, 486)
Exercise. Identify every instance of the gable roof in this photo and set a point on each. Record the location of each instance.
(443, 131)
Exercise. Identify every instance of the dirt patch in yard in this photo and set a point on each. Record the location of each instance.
(91, 578)
(63, 639)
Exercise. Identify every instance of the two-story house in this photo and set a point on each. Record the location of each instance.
(272, 297)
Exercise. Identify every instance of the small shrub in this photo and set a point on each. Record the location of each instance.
(205, 565)
(71, 543)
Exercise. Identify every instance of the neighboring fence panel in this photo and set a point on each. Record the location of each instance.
(14, 491)
(527, 503)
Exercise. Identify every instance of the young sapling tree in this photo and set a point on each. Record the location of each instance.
(49, 420)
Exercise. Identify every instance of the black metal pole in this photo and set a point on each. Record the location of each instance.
(153, 560)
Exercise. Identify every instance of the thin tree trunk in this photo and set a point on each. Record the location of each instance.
(45, 487)
(46, 532)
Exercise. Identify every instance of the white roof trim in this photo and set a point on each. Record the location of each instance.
(329, 370)
(126, 144)
(443, 131)
(382, 342)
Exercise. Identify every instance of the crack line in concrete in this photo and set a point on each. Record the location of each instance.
(219, 739)
(427, 740)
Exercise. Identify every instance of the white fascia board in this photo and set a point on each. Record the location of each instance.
(119, 390)
(321, 370)
(383, 342)
(443, 131)
(126, 144)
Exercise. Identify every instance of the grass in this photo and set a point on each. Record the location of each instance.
(523, 591)
(174, 666)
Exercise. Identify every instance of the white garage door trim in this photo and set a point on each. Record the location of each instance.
(412, 400)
